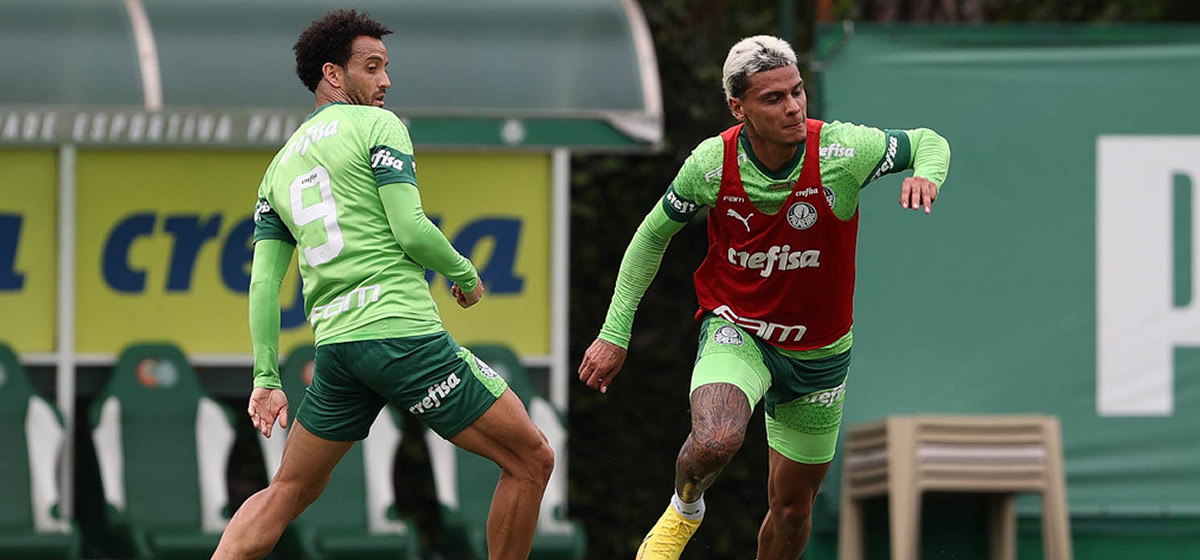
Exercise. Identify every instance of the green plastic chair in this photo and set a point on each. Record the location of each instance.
(355, 517)
(465, 482)
(162, 446)
(31, 433)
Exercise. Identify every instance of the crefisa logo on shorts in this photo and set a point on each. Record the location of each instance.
(436, 394)
(827, 398)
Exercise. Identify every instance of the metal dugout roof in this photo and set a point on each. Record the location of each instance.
(465, 73)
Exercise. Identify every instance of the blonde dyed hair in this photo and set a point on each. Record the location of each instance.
(751, 56)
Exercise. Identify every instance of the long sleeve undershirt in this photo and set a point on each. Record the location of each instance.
(930, 159)
(414, 232)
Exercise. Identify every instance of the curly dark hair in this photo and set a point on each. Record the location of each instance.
(328, 40)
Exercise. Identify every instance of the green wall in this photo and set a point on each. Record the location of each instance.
(1056, 273)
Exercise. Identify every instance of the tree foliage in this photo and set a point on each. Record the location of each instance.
(623, 443)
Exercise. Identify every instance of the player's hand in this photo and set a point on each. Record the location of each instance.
(267, 405)
(601, 362)
(467, 299)
(916, 192)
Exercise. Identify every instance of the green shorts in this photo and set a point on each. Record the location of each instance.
(430, 376)
(803, 398)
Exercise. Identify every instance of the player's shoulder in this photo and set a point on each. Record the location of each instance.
(383, 127)
(700, 174)
(834, 129)
(269, 172)
(842, 136)
(709, 152)
(364, 116)
(710, 145)
(371, 115)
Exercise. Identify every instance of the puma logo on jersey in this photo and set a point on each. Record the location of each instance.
(745, 221)
(775, 258)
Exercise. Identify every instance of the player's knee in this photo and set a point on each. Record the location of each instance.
(541, 462)
(793, 513)
(231, 549)
(714, 452)
(252, 550)
(292, 497)
(533, 462)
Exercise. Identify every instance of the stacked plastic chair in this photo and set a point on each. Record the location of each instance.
(902, 457)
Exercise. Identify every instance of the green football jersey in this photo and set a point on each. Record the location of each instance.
(321, 194)
(852, 156)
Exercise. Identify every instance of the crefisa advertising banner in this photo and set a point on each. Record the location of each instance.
(28, 233)
(164, 248)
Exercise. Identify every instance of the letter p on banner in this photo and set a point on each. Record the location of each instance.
(1139, 320)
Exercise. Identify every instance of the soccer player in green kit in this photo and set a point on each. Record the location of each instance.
(343, 192)
(775, 290)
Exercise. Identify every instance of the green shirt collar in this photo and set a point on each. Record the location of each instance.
(322, 108)
(778, 174)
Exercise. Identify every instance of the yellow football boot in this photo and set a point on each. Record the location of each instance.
(667, 537)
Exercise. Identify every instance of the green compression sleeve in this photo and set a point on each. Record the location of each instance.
(421, 239)
(638, 268)
(271, 260)
(931, 155)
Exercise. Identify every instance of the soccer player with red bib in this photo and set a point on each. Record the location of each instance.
(775, 291)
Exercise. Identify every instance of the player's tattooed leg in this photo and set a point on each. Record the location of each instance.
(720, 413)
